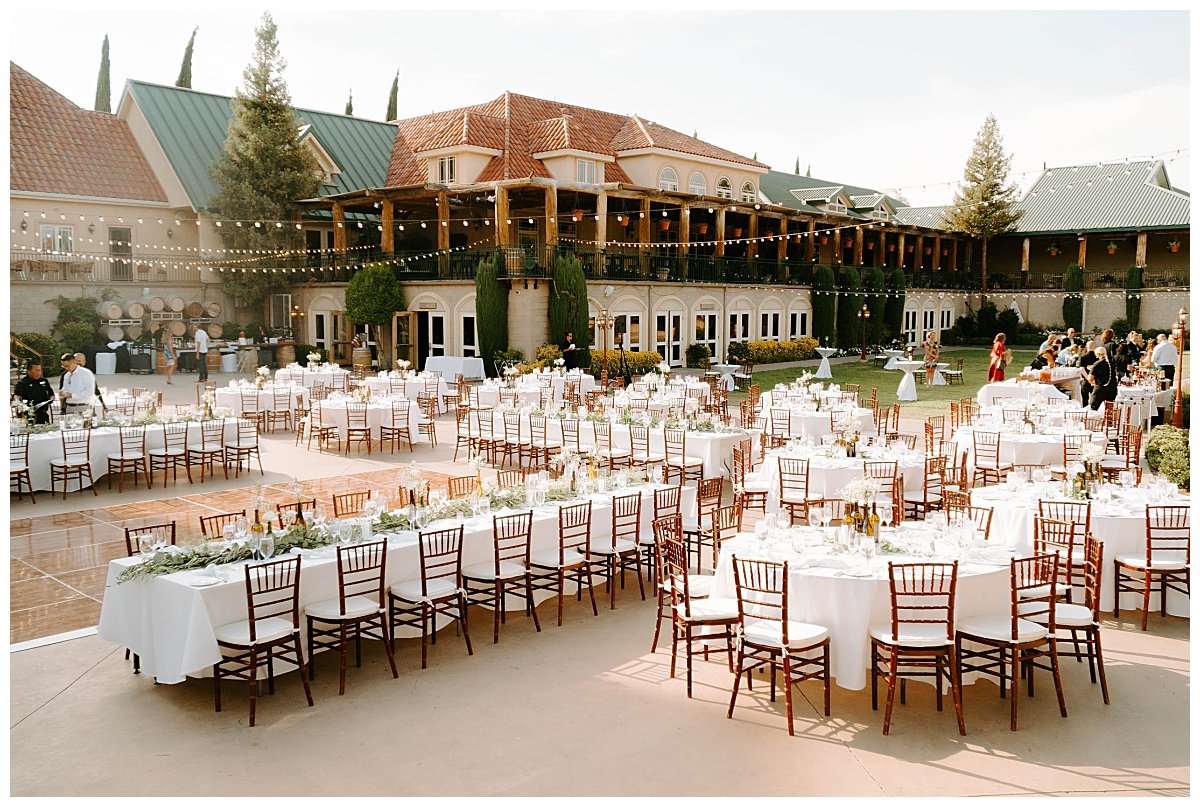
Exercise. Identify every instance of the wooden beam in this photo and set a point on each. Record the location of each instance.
(551, 207)
(503, 228)
(443, 233)
(1025, 254)
(811, 246)
(954, 254)
(339, 227)
(781, 248)
(388, 241)
(601, 223)
(685, 236)
(881, 249)
(644, 239)
(900, 248)
(1140, 256)
(1082, 253)
(720, 247)
(752, 244)
(919, 265)
(858, 246)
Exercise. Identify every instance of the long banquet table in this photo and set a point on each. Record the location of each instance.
(169, 621)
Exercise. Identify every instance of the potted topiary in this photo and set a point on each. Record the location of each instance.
(1111, 246)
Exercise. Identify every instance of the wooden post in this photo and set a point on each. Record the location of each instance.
(752, 245)
(644, 239)
(954, 254)
(1082, 253)
(858, 246)
(443, 234)
(1025, 255)
(388, 240)
(503, 229)
(601, 231)
(719, 251)
(835, 238)
(900, 249)
(551, 206)
(1140, 256)
(339, 228)
(781, 267)
(810, 247)
(919, 264)
(937, 252)
(881, 250)
(685, 219)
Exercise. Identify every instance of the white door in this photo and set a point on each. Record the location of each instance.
(668, 336)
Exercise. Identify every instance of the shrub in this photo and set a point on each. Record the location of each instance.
(697, 355)
(636, 362)
(823, 302)
(849, 302)
(510, 355)
(966, 325)
(568, 308)
(1007, 322)
(1072, 306)
(985, 321)
(893, 309)
(1167, 454)
(77, 335)
(547, 354)
(771, 352)
(77, 309)
(47, 348)
(1121, 327)
(1133, 304)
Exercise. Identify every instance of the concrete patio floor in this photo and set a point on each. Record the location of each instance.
(580, 710)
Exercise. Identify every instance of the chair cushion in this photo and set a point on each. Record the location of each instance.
(912, 635)
(129, 455)
(606, 548)
(62, 463)
(675, 463)
(356, 606)
(709, 609)
(487, 571)
(699, 585)
(17, 467)
(999, 628)
(767, 633)
(1066, 615)
(1113, 462)
(1164, 560)
(166, 452)
(267, 630)
(410, 590)
(548, 559)
(242, 444)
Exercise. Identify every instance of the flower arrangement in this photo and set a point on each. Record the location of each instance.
(862, 491)
(313, 357)
(664, 367)
(208, 403)
(1091, 453)
(560, 362)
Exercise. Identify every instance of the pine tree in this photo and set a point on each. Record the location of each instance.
(103, 83)
(876, 304)
(823, 303)
(392, 96)
(185, 69)
(984, 206)
(350, 104)
(808, 173)
(797, 165)
(568, 309)
(263, 169)
(491, 312)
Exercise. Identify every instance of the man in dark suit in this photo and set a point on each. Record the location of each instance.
(1103, 378)
(1086, 360)
(569, 351)
(35, 390)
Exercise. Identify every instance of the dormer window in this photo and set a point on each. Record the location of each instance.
(748, 192)
(880, 214)
(585, 171)
(835, 207)
(668, 180)
(447, 170)
(724, 188)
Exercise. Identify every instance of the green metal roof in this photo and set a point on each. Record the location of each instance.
(191, 127)
(933, 216)
(1104, 197)
(794, 191)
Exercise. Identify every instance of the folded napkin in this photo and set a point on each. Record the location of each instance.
(824, 563)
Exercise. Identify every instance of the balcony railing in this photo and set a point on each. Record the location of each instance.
(38, 266)
(1093, 279)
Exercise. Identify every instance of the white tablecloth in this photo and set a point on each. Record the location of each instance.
(231, 397)
(106, 363)
(529, 388)
(806, 422)
(827, 476)
(907, 391)
(824, 371)
(411, 387)
(938, 379)
(1021, 449)
(170, 623)
(1147, 402)
(105, 441)
(379, 413)
(893, 357)
(307, 378)
(1121, 525)
(1016, 389)
(470, 367)
(849, 606)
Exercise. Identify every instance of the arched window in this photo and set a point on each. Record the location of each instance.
(748, 192)
(668, 180)
(724, 188)
(697, 184)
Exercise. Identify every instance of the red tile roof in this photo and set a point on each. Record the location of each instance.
(521, 126)
(58, 148)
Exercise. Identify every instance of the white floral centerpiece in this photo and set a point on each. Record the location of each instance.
(862, 491)
(314, 360)
(847, 430)
(261, 376)
(664, 367)
(403, 364)
(652, 380)
(208, 405)
(560, 364)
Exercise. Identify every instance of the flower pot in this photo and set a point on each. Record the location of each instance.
(891, 247)
(849, 242)
(870, 245)
(770, 233)
(928, 250)
(945, 252)
(1173, 247)
(662, 274)
(1054, 252)
(737, 232)
(909, 248)
(702, 229)
(664, 225)
(1112, 250)
(824, 240)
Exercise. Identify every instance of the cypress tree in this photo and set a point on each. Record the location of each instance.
(263, 169)
(392, 96)
(1133, 305)
(849, 302)
(1072, 307)
(491, 312)
(893, 310)
(350, 104)
(797, 170)
(185, 69)
(876, 304)
(103, 83)
(568, 310)
(823, 303)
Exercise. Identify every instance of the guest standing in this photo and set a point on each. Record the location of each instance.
(201, 338)
(569, 351)
(36, 391)
(1103, 380)
(1165, 357)
(931, 357)
(79, 385)
(169, 356)
(996, 366)
(1086, 360)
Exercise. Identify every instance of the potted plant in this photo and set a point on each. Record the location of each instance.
(928, 250)
(1053, 249)
(664, 225)
(891, 247)
(849, 242)
(737, 232)
(702, 228)
(908, 248)
(1173, 246)
(1111, 246)
(824, 240)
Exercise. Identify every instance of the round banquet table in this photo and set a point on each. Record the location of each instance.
(820, 592)
(410, 388)
(379, 413)
(894, 356)
(1016, 389)
(828, 475)
(231, 397)
(1044, 448)
(305, 377)
(806, 421)
(1120, 524)
(907, 391)
(824, 371)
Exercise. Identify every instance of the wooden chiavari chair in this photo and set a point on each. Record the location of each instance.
(439, 591)
(640, 455)
(573, 556)
(1166, 561)
(75, 462)
(987, 458)
(488, 443)
(1054, 537)
(781, 427)
(426, 424)
(620, 551)
(677, 460)
(1072, 453)
(397, 428)
(1079, 516)
(173, 455)
(251, 408)
(542, 448)
(508, 572)
(708, 499)
(349, 504)
(130, 457)
(243, 447)
(1128, 460)
(357, 428)
(890, 485)
(18, 464)
(753, 493)
(602, 437)
(462, 431)
(215, 525)
(930, 497)
(460, 487)
(513, 444)
(793, 488)
(667, 502)
(211, 449)
(771, 638)
(324, 432)
(837, 509)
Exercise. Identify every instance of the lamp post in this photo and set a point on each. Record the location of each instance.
(605, 322)
(864, 314)
(1180, 333)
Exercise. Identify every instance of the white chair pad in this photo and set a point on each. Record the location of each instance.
(710, 609)
(699, 585)
(356, 606)
(410, 590)
(767, 633)
(912, 635)
(242, 444)
(1066, 615)
(266, 630)
(487, 571)
(1040, 592)
(999, 628)
(13, 467)
(675, 463)
(166, 452)
(606, 548)
(648, 457)
(1163, 561)
(62, 463)
(548, 559)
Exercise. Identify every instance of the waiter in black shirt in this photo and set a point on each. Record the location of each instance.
(569, 351)
(1103, 378)
(36, 391)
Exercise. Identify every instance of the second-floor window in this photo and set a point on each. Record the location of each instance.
(585, 171)
(697, 184)
(447, 170)
(57, 237)
(668, 180)
(748, 192)
(724, 189)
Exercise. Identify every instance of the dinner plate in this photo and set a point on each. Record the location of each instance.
(860, 573)
(204, 582)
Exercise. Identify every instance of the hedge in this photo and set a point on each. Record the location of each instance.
(697, 355)
(636, 362)
(1167, 454)
(771, 352)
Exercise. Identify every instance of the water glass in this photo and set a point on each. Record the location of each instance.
(266, 547)
(146, 544)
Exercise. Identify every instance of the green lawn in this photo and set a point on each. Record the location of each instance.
(929, 401)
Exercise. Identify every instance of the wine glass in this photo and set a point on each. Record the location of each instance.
(320, 514)
(885, 515)
(656, 473)
(254, 540)
(229, 533)
(266, 547)
(146, 544)
(242, 525)
(539, 496)
(286, 519)
(817, 514)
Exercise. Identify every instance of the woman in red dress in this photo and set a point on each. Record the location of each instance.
(996, 365)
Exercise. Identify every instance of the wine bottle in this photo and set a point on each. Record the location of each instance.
(874, 523)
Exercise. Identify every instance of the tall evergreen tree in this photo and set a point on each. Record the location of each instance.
(849, 301)
(185, 69)
(808, 173)
(797, 169)
(103, 82)
(755, 157)
(568, 309)
(876, 304)
(350, 104)
(984, 206)
(392, 96)
(263, 169)
(491, 312)
(824, 302)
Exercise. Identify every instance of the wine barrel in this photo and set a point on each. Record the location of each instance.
(110, 310)
(133, 332)
(214, 361)
(115, 333)
(155, 325)
(134, 309)
(362, 357)
(176, 304)
(178, 327)
(213, 309)
(194, 309)
(285, 355)
(214, 330)
(157, 304)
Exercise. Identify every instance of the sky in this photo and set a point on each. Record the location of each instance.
(885, 99)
